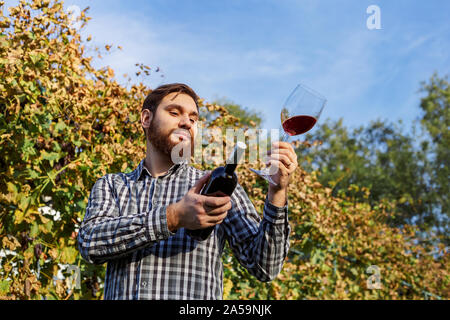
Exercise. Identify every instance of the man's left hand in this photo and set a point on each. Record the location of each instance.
(283, 159)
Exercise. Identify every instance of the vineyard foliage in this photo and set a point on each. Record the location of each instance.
(65, 123)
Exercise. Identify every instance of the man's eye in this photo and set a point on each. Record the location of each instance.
(193, 120)
(174, 113)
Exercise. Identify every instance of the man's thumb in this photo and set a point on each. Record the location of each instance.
(199, 184)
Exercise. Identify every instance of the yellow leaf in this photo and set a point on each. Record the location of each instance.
(53, 253)
(12, 188)
(10, 242)
(19, 215)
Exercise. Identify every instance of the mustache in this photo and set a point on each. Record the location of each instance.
(183, 131)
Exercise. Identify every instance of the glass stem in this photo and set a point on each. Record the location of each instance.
(285, 136)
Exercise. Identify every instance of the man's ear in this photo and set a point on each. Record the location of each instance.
(146, 118)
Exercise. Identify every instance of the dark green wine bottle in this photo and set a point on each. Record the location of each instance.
(222, 182)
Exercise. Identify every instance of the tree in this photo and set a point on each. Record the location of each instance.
(246, 117)
(63, 124)
(409, 169)
(436, 121)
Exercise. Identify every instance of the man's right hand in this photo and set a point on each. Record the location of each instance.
(196, 211)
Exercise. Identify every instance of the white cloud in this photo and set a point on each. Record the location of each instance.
(183, 56)
(418, 42)
(346, 74)
(361, 72)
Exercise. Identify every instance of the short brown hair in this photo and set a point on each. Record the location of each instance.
(154, 98)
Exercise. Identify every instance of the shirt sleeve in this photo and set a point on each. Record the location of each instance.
(260, 245)
(107, 233)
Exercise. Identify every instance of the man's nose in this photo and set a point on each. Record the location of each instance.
(185, 122)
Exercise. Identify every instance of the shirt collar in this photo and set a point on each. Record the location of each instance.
(141, 170)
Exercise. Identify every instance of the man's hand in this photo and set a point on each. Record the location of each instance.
(284, 159)
(196, 211)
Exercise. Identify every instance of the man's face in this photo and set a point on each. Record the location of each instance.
(174, 122)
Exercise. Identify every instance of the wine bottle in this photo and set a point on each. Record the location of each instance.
(222, 182)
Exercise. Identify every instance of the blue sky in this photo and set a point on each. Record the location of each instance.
(255, 52)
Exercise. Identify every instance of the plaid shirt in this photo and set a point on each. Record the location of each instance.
(125, 225)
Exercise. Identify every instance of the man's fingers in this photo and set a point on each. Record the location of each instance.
(214, 202)
(217, 219)
(282, 145)
(277, 165)
(281, 158)
(219, 210)
(289, 153)
(199, 184)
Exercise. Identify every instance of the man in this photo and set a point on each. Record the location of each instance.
(136, 222)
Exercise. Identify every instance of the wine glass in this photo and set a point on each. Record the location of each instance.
(299, 114)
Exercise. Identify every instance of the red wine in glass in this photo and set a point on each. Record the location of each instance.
(298, 124)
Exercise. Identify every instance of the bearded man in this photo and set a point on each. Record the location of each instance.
(136, 222)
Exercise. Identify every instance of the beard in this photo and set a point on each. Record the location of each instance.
(161, 140)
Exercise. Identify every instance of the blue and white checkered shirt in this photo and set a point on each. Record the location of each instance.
(125, 225)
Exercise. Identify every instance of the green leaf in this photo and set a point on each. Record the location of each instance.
(48, 226)
(60, 126)
(133, 117)
(81, 204)
(12, 188)
(69, 255)
(50, 156)
(77, 143)
(28, 149)
(317, 257)
(34, 230)
(24, 202)
(32, 174)
(4, 286)
(35, 58)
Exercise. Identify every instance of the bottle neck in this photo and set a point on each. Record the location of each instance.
(236, 155)
(230, 167)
